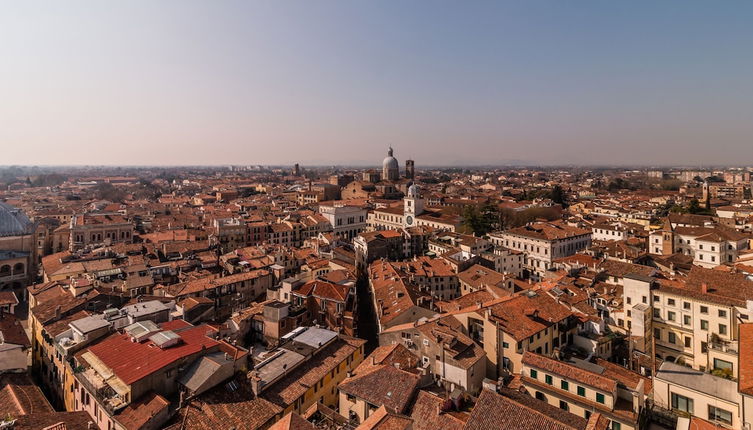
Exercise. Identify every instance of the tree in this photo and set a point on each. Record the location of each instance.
(694, 207)
(480, 220)
(558, 196)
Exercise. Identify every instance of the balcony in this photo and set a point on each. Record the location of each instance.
(725, 346)
(104, 394)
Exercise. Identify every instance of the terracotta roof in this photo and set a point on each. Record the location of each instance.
(292, 421)
(137, 414)
(390, 291)
(570, 372)
(19, 396)
(383, 385)
(382, 419)
(323, 290)
(427, 416)
(12, 331)
(525, 315)
(494, 411)
(621, 269)
(548, 231)
(210, 282)
(726, 288)
(72, 420)
(392, 355)
(221, 408)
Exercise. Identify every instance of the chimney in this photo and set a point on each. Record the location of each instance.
(704, 288)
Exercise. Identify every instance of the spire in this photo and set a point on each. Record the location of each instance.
(389, 152)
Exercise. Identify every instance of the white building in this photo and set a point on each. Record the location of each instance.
(346, 220)
(542, 243)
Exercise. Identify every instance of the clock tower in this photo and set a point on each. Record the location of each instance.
(413, 205)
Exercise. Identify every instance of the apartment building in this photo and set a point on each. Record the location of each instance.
(229, 293)
(98, 229)
(396, 300)
(451, 357)
(542, 243)
(306, 369)
(108, 380)
(694, 321)
(508, 327)
(689, 392)
(709, 246)
(347, 221)
(332, 305)
(584, 388)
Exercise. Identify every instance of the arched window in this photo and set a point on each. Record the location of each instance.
(18, 268)
(5, 270)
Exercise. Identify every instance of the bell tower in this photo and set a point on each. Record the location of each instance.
(413, 205)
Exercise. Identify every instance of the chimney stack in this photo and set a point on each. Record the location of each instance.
(704, 288)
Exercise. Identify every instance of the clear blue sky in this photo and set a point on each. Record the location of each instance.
(336, 82)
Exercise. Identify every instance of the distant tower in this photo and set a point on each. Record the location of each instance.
(410, 171)
(297, 170)
(706, 195)
(390, 169)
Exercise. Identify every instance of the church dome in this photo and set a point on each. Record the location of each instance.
(390, 162)
(13, 222)
(414, 191)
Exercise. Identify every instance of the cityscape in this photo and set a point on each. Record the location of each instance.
(328, 215)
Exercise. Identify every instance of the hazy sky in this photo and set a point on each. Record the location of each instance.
(336, 82)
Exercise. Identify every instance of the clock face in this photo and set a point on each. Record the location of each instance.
(409, 220)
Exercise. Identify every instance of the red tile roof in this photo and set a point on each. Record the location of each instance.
(132, 361)
(569, 371)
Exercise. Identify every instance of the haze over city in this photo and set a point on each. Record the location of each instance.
(323, 83)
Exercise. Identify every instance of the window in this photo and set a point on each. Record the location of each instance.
(581, 391)
(565, 385)
(671, 316)
(686, 319)
(722, 313)
(540, 396)
(548, 379)
(686, 305)
(704, 309)
(720, 415)
(722, 364)
(671, 337)
(687, 342)
(704, 325)
(722, 329)
(616, 425)
(656, 298)
(682, 403)
(628, 300)
(657, 333)
(671, 302)
(600, 398)
(644, 299)
(657, 313)
(534, 374)
(564, 406)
